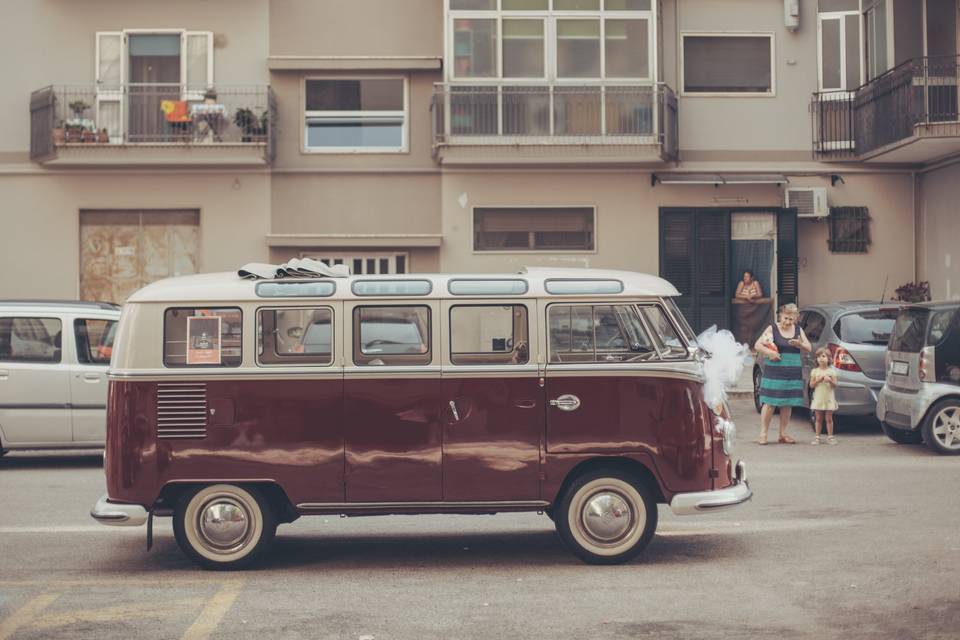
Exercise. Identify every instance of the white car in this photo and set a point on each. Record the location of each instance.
(53, 373)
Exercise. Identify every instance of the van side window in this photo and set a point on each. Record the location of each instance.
(208, 337)
(598, 333)
(94, 340)
(391, 335)
(30, 340)
(295, 336)
(489, 334)
(664, 331)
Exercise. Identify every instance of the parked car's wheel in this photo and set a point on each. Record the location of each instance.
(606, 517)
(901, 436)
(757, 379)
(223, 526)
(941, 428)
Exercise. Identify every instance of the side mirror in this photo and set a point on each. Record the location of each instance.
(294, 332)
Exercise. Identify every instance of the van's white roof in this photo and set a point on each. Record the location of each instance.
(223, 287)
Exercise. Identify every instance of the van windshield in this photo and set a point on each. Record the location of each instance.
(909, 331)
(866, 327)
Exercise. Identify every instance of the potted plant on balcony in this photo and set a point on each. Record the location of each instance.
(254, 127)
(78, 128)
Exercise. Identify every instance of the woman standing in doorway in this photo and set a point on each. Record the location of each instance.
(782, 382)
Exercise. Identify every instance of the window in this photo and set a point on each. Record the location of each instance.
(723, 63)
(391, 336)
(533, 229)
(94, 340)
(489, 334)
(366, 114)
(849, 229)
(550, 39)
(364, 263)
(839, 39)
(295, 336)
(813, 325)
(195, 337)
(664, 331)
(599, 333)
(866, 327)
(875, 32)
(30, 340)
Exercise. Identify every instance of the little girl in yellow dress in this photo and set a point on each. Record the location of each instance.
(823, 380)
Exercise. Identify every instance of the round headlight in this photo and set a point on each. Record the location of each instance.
(728, 430)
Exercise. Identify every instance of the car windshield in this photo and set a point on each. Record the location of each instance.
(866, 327)
(909, 330)
(682, 320)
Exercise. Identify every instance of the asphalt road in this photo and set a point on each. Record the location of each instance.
(858, 540)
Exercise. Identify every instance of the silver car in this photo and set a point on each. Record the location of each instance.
(53, 373)
(856, 333)
(921, 399)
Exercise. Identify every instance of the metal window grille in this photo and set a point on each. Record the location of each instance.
(849, 230)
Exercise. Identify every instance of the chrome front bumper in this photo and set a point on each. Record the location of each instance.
(118, 514)
(686, 504)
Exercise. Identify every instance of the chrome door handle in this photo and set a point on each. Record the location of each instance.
(91, 377)
(566, 402)
(453, 410)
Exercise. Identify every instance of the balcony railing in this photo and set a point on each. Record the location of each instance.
(921, 92)
(545, 115)
(102, 117)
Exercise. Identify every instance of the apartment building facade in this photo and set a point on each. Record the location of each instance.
(679, 137)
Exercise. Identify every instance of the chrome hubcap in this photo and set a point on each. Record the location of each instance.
(607, 517)
(946, 427)
(224, 524)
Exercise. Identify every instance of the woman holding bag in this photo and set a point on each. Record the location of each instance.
(782, 382)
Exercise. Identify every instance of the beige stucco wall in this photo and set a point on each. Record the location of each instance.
(40, 244)
(627, 227)
(940, 223)
(53, 42)
(356, 27)
(355, 203)
(779, 123)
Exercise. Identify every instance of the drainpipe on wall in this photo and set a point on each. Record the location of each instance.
(918, 252)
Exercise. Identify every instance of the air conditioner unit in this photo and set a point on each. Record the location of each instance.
(810, 202)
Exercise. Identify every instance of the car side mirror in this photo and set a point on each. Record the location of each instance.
(294, 332)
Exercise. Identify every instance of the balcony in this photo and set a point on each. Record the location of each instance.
(551, 124)
(152, 125)
(907, 115)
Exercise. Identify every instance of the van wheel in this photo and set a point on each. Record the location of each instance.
(757, 380)
(901, 436)
(223, 526)
(941, 428)
(606, 517)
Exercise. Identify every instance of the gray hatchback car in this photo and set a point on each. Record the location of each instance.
(921, 400)
(856, 333)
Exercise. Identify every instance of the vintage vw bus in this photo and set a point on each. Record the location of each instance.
(236, 405)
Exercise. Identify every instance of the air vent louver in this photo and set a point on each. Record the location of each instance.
(181, 410)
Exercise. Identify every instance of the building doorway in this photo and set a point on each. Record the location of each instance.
(122, 251)
(704, 252)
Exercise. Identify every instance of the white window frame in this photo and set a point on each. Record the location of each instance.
(304, 114)
(865, 7)
(349, 256)
(772, 93)
(549, 18)
(534, 252)
(842, 17)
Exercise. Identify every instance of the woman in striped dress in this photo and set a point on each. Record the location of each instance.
(782, 382)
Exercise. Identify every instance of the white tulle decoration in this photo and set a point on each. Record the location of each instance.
(723, 365)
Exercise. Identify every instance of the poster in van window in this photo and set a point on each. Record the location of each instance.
(203, 340)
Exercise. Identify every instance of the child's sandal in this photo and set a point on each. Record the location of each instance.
(831, 440)
(816, 440)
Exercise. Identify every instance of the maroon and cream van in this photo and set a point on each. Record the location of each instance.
(237, 405)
